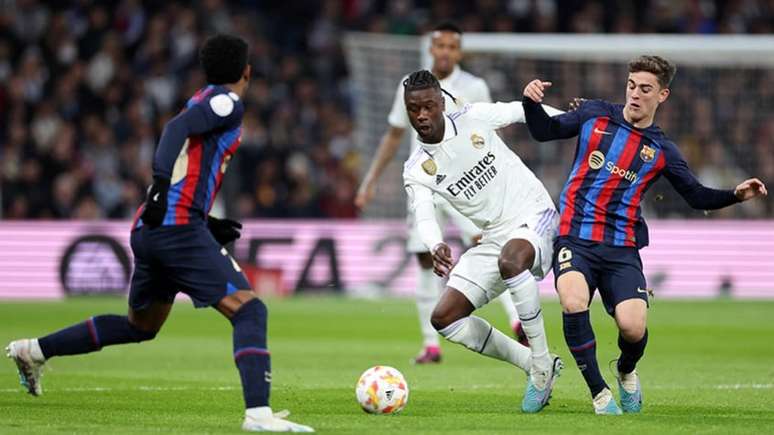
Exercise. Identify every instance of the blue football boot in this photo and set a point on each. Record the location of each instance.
(536, 399)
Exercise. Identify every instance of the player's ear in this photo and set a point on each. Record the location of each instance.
(663, 95)
(247, 71)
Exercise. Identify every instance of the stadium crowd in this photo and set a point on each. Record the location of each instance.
(86, 87)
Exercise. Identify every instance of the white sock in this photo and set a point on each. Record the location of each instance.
(259, 412)
(524, 291)
(479, 336)
(427, 293)
(510, 308)
(35, 352)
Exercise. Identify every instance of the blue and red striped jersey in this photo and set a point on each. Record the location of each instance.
(194, 152)
(615, 164)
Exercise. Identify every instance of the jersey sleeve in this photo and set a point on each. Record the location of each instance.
(498, 115)
(220, 111)
(543, 126)
(697, 195)
(398, 116)
(420, 199)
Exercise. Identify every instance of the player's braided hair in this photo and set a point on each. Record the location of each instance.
(223, 58)
(424, 79)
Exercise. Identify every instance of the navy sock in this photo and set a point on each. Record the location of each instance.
(630, 353)
(250, 352)
(580, 339)
(92, 335)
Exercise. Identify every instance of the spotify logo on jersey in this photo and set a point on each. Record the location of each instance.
(596, 159)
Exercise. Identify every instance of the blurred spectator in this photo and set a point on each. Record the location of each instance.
(85, 89)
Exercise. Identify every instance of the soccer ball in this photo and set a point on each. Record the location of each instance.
(382, 390)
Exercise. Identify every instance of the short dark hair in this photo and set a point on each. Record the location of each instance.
(223, 58)
(663, 69)
(448, 26)
(422, 79)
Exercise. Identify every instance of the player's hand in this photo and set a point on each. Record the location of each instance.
(534, 90)
(749, 189)
(442, 260)
(364, 195)
(575, 104)
(156, 202)
(224, 231)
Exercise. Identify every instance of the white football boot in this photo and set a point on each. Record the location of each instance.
(29, 361)
(604, 403)
(263, 420)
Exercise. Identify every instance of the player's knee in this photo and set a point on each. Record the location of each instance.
(254, 311)
(441, 318)
(632, 331)
(572, 303)
(516, 257)
(138, 335)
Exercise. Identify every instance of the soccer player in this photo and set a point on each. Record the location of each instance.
(446, 51)
(620, 154)
(173, 249)
(463, 160)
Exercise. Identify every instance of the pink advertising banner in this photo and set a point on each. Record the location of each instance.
(48, 259)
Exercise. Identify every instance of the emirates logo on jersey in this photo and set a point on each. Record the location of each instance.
(474, 179)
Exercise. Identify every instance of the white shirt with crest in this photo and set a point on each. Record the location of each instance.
(474, 171)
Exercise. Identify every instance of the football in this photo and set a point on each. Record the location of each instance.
(382, 390)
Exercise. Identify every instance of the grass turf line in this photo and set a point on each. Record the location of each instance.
(708, 368)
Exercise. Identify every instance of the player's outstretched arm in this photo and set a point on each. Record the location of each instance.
(386, 151)
(701, 197)
(542, 126)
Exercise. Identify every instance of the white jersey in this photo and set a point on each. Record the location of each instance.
(474, 171)
(465, 87)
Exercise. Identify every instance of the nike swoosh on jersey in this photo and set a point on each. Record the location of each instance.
(598, 131)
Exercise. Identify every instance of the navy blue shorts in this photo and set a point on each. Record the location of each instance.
(615, 270)
(181, 258)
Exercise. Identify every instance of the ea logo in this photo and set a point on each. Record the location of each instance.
(596, 159)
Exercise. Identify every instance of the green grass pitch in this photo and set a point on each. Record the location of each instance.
(709, 368)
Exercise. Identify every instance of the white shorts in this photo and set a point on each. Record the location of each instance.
(477, 275)
(443, 212)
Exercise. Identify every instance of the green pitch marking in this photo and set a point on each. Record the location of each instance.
(709, 368)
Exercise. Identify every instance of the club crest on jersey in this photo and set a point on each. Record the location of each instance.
(477, 141)
(429, 167)
(647, 154)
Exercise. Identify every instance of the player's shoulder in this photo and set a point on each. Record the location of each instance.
(599, 107)
(217, 101)
(478, 112)
(463, 112)
(412, 168)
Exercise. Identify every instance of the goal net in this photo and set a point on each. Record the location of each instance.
(720, 112)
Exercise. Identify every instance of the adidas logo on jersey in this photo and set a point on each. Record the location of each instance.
(439, 178)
